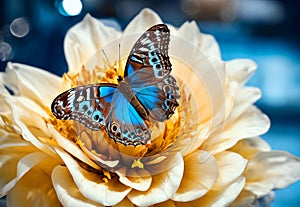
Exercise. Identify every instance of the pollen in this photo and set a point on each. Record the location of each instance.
(65, 127)
(137, 163)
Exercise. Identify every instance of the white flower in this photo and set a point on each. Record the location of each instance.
(207, 154)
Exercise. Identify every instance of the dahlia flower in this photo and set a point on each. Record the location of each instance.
(208, 153)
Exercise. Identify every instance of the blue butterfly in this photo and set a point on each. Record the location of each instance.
(147, 92)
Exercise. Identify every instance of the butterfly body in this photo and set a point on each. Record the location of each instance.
(146, 93)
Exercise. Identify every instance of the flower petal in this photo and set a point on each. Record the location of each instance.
(204, 85)
(164, 185)
(25, 164)
(251, 123)
(84, 39)
(141, 22)
(218, 198)
(231, 166)
(92, 186)
(168, 203)
(240, 70)
(66, 190)
(245, 97)
(71, 147)
(9, 158)
(247, 198)
(200, 174)
(271, 170)
(30, 124)
(124, 203)
(139, 180)
(189, 31)
(228, 184)
(35, 182)
(36, 84)
(250, 147)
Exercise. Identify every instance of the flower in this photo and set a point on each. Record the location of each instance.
(208, 153)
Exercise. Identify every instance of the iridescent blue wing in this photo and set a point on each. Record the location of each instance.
(147, 71)
(88, 104)
(160, 98)
(125, 125)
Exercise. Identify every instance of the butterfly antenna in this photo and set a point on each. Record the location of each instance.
(119, 61)
(107, 60)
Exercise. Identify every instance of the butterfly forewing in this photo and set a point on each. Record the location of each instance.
(89, 105)
(150, 54)
(148, 73)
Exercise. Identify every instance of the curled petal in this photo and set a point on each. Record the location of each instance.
(279, 168)
(92, 186)
(200, 174)
(66, 190)
(245, 97)
(163, 186)
(139, 180)
(240, 70)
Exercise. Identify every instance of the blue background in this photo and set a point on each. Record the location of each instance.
(266, 31)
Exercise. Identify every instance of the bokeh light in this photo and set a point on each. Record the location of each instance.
(19, 27)
(69, 7)
(6, 52)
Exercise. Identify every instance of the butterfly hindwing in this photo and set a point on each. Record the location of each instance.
(125, 124)
(89, 104)
(160, 98)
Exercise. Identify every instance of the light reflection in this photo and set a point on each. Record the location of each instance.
(19, 27)
(69, 7)
(6, 52)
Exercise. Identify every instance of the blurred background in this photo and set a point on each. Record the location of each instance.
(267, 31)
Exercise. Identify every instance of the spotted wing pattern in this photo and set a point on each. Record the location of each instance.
(89, 105)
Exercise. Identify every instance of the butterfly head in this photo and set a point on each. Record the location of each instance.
(120, 79)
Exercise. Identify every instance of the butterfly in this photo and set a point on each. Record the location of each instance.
(147, 92)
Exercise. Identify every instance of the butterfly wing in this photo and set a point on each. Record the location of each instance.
(160, 99)
(148, 71)
(149, 55)
(125, 125)
(89, 104)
